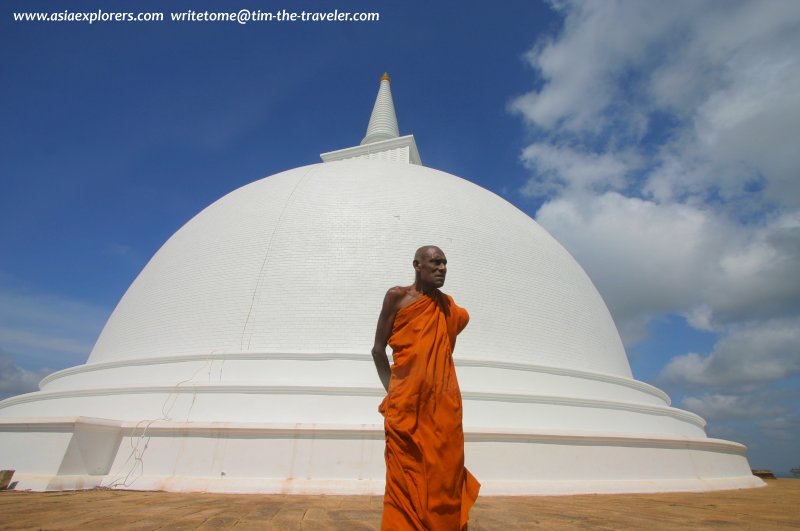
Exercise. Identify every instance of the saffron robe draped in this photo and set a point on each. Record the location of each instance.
(427, 485)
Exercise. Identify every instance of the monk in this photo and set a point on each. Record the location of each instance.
(427, 486)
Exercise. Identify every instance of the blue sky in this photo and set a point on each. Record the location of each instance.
(655, 140)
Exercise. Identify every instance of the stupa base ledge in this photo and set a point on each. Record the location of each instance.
(229, 485)
(256, 485)
(71, 453)
(610, 486)
(368, 487)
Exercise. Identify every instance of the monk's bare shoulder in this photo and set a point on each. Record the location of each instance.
(394, 298)
(396, 292)
(399, 297)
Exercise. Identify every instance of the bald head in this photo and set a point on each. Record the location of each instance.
(424, 251)
(430, 268)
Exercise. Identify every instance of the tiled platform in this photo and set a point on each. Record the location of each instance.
(776, 506)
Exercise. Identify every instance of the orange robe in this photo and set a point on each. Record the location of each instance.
(427, 486)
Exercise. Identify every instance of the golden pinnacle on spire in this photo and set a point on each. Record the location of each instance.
(385, 77)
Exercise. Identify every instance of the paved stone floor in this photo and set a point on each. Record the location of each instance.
(776, 506)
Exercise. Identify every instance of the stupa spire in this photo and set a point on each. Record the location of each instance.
(383, 121)
(383, 140)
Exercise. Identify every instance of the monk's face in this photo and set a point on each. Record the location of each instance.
(432, 267)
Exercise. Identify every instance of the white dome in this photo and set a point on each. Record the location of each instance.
(299, 262)
(239, 359)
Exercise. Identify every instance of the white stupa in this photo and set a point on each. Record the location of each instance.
(239, 358)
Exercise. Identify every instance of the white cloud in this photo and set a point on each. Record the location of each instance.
(579, 68)
(664, 155)
(562, 169)
(699, 317)
(767, 421)
(751, 354)
(736, 139)
(649, 258)
(726, 75)
(46, 330)
(22, 339)
(15, 380)
(725, 407)
(664, 160)
(718, 82)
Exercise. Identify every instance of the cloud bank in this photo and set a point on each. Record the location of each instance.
(40, 333)
(664, 157)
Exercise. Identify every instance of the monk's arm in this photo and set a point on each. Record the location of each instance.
(382, 333)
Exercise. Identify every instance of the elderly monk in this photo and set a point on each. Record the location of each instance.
(427, 486)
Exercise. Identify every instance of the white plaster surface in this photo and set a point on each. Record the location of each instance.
(239, 357)
(346, 459)
(299, 262)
